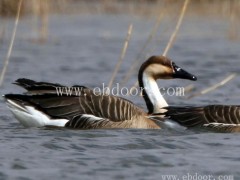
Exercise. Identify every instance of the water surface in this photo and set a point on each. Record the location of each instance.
(83, 49)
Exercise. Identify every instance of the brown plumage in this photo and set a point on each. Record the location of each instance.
(108, 108)
(88, 110)
(222, 118)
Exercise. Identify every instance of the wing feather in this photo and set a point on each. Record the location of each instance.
(221, 127)
(191, 116)
(70, 106)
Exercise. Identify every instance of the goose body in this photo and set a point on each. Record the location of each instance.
(41, 105)
(86, 111)
(222, 118)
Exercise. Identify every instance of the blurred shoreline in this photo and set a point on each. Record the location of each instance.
(147, 8)
(40, 11)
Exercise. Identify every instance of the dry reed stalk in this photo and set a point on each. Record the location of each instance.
(215, 86)
(189, 88)
(44, 12)
(35, 11)
(11, 43)
(2, 33)
(40, 9)
(149, 39)
(234, 22)
(116, 69)
(173, 36)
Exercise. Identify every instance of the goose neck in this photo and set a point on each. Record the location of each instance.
(151, 94)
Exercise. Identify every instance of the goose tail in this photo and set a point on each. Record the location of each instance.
(28, 114)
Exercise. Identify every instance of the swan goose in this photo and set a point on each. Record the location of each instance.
(42, 106)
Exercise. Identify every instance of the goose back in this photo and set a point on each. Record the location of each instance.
(193, 116)
(44, 97)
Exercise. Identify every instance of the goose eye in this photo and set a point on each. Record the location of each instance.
(178, 69)
(175, 67)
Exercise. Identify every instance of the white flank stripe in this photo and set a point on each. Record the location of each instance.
(221, 124)
(92, 117)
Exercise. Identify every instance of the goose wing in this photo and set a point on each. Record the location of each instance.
(221, 127)
(86, 121)
(35, 88)
(44, 97)
(193, 116)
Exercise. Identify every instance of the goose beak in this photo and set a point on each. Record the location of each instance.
(182, 74)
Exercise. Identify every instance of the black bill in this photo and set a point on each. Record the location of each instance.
(182, 74)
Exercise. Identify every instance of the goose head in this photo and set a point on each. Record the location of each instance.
(161, 67)
(158, 67)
